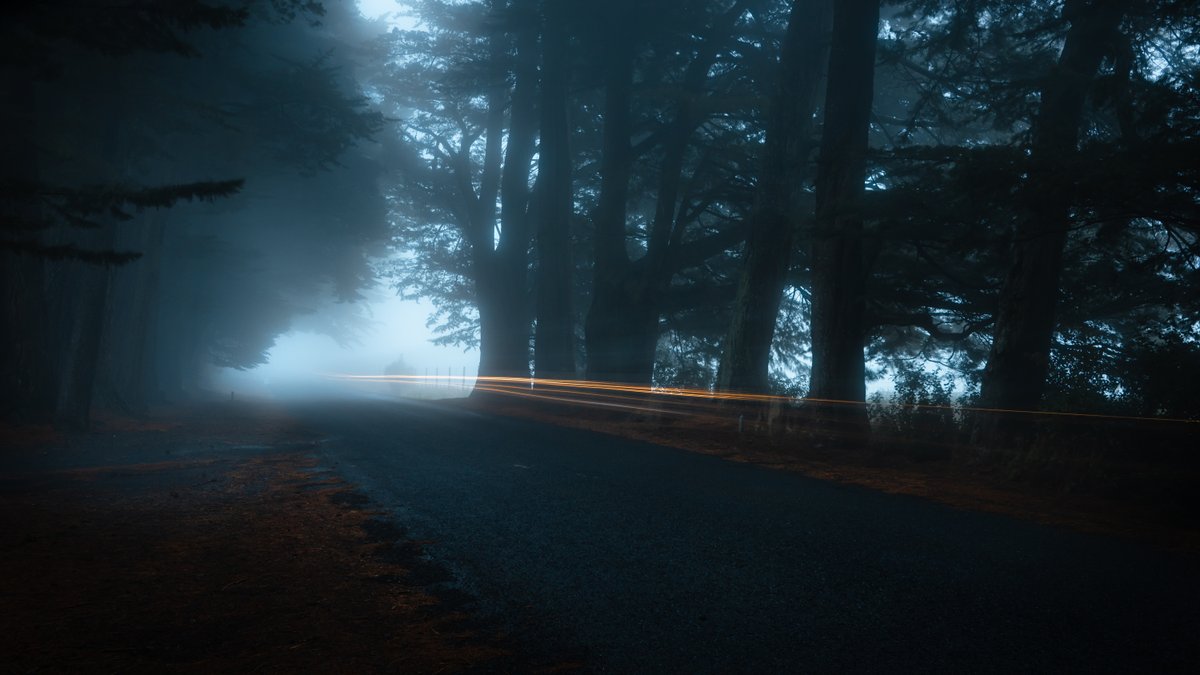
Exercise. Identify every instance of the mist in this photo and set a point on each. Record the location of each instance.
(666, 336)
(281, 193)
(395, 341)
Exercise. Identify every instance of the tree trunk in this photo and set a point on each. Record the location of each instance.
(512, 250)
(1015, 376)
(554, 353)
(499, 323)
(126, 349)
(141, 378)
(838, 336)
(26, 380)
(26, 361)
(606, 330)
(86, 307)
(492, 298)
(86, 302)
(785, 169)
(623, 321)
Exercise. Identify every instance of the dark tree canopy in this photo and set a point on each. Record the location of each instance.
(790, 196)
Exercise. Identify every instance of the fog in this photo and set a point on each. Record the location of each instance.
(670, 335)
(305, 364)
(667, 194)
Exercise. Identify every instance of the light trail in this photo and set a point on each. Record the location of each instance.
(534, 394)
(628, 396)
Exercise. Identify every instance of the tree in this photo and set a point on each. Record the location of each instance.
(777, 209)
(1025, 317)
(623, 321)
(456, 165)
(957, 177)
(838, 274)
(610, 345)
(555, 337)
(503, 293)
(49, 228)
(684, 183)
(100, 326)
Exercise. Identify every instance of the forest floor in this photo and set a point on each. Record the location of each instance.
(206, 540)
(952, 479)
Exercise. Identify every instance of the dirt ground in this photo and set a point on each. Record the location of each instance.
(244, 559)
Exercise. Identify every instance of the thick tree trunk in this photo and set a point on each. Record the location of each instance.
(173, 321)
(606, 328)
(554, 353)
(621, 328)
(785, 169)
(622, 334)
(126, 349)
(500, 323)
(86, 308)
(499, 268)
(85, 298)
(512, 251)
(1025, 319)
(26, 378)
(26, 360)
(838, 336)
(623, 320)
(140, 380)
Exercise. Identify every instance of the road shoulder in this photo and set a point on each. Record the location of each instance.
(215, 543)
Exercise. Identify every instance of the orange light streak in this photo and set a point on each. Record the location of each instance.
(601, 393)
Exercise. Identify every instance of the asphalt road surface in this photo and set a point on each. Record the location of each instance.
(632, 557)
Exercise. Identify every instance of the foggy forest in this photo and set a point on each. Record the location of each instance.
(874, 323)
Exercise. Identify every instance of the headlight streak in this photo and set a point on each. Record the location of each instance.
(694, 401)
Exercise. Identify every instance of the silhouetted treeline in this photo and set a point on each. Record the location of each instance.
(803, 195)
(181, 180)
(750, 195)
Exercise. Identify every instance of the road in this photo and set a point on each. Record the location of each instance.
(638, 558)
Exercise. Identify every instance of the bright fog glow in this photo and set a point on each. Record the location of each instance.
(392, 12)
(301, 362)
